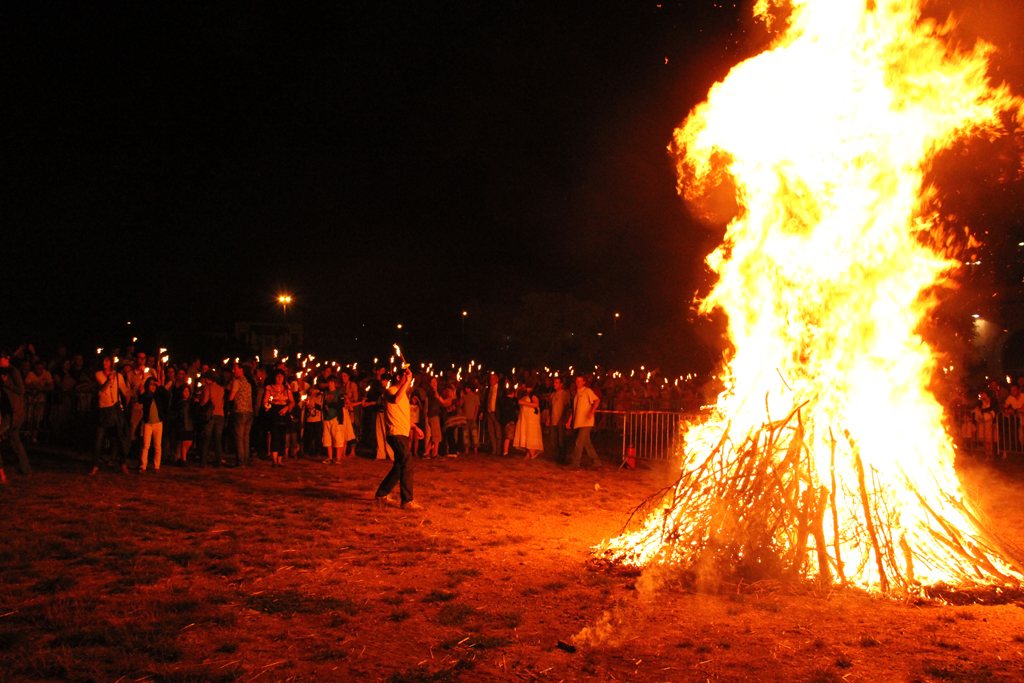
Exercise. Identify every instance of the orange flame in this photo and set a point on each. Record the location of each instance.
(823, 273)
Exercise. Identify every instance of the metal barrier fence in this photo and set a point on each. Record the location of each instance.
(990, 433)
(646, 434)
(657, 434)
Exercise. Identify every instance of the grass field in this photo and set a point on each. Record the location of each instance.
(292, 574)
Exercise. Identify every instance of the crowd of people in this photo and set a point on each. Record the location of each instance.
(138, 410)
(991, 422)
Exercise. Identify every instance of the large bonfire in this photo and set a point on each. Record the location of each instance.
(826, 455)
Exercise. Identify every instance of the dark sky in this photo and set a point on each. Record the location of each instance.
(176, 163)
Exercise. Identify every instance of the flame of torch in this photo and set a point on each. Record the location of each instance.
(398, 352)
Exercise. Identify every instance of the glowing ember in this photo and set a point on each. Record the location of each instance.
(826, 455)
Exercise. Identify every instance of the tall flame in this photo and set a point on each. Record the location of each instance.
(825, 274)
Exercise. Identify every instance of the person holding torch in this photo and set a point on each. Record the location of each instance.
(113, 395)
(398, 418)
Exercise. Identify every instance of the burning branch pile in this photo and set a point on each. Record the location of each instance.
(762, 509)
(826, 274)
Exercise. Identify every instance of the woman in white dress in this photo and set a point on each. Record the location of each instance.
(528, 431)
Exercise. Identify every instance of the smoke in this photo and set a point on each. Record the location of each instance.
(740, 553)
(618, 625)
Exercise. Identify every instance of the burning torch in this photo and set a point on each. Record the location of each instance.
(401, 359)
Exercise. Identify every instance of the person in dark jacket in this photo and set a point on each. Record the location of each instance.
(155, 401)
(12, 414)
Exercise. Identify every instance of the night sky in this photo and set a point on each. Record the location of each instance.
(178, 163)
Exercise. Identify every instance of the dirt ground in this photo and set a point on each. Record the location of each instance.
(292, 574)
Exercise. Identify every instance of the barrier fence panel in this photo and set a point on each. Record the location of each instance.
(657, 435)
(646, 434)
(990, 433)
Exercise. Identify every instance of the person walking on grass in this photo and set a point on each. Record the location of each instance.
(398, 418)
(584, 406)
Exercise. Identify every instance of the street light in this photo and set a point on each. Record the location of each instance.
(285, 300)
(463, 321)
(615, 322)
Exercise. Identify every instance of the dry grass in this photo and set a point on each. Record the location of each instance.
(260, 574)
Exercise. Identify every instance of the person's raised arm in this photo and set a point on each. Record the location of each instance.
(403, 385)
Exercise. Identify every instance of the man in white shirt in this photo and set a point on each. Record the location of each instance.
(584, 406)
(398, 417)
